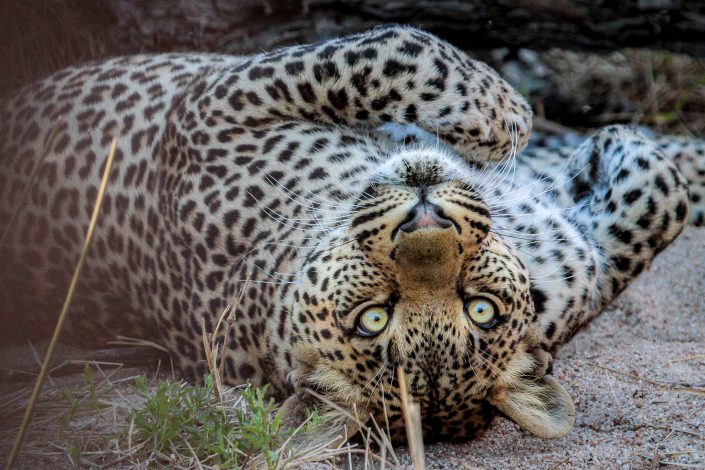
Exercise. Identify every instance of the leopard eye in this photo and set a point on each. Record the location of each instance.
(481, 311)
(372, 321)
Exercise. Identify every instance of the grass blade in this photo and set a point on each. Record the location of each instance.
(64, 310)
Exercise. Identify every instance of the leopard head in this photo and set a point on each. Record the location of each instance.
(419, 280)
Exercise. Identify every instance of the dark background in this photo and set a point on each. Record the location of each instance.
(581, 63)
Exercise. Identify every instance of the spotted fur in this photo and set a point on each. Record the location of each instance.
(265, 178)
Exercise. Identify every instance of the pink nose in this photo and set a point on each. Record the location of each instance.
(427, 220)
(424, 215)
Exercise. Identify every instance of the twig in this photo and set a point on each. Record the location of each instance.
(64, 310)
(559, 463)
(688, 358)
(129, 341)
(412, 422)
(677, 464)
(666, 428)
(681, 387)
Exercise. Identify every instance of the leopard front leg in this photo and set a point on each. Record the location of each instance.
(391, 74)
(689, 156)
(633, 203)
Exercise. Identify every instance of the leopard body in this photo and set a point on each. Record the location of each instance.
(278, 184)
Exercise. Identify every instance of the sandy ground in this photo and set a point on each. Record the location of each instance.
(636, 373)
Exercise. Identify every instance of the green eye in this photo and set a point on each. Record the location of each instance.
(372, 321)
(481, 311)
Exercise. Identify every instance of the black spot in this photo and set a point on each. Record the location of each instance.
(253, 98)
(638, 268)
(328, 52)
(622, 175)
(631, 196)
(260, 72)
(620, 233)
(410, 48)
(643, 164)
(246, 371)
(270, 143)
(550, 330)
(392, 68)
(325, 71)
(338, 99)
(312, 275)
(681, 210)
(644, 221)
(306, 92)
(318, 173)
(661, 185)
(362, 114)
(235, 100)
(254, 196)
(540, 300)
(379, 104)
(231, 218)
(621, 263)
(249, 226)
(410, 113)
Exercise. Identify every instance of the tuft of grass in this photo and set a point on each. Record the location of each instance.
(89, 402)
(261, 428)
(182, 420)
(182, 425)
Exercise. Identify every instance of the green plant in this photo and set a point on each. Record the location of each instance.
(180, 419)
(190, 421)
(90, 402)
(260, 427)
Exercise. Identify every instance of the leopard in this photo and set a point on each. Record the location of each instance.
(366, 210)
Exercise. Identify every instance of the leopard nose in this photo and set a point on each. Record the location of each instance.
(425, 215)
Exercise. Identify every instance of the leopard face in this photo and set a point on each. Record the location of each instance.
(416, 279)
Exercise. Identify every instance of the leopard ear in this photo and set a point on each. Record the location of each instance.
(539, 405)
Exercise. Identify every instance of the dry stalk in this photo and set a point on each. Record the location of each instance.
(210, 343)
(664, 385)
(412, 422)
(64, 310)
(378, 436)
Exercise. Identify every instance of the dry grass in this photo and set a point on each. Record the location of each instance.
(67, 302)
(661, 90)
(412, 421)
(114, 416)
